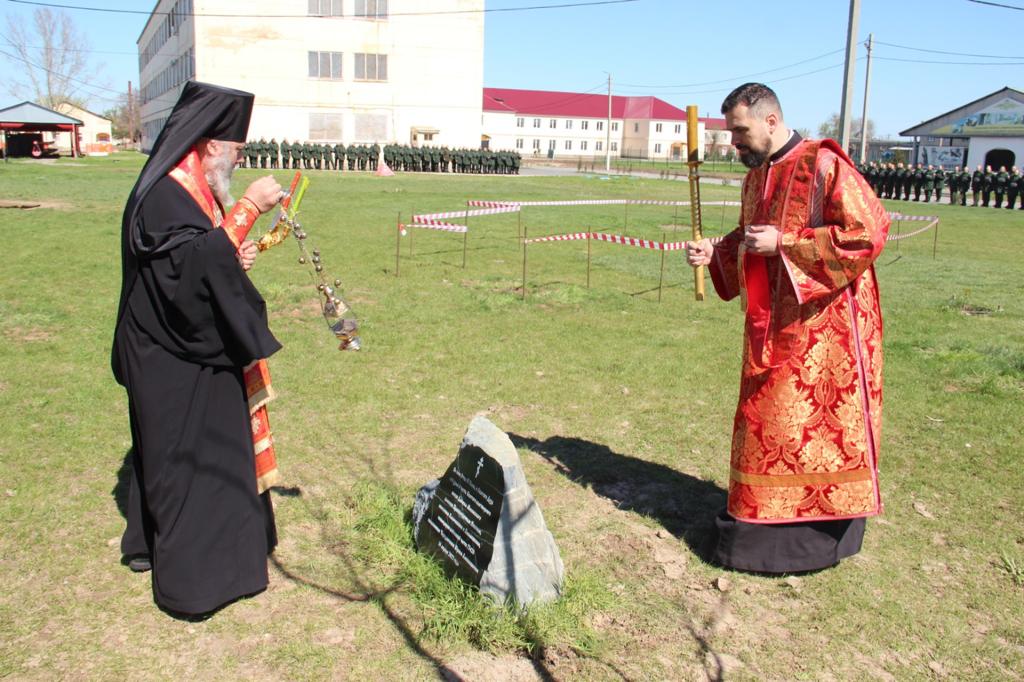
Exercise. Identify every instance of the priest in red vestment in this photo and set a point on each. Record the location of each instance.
(804, 465)
(189, 347)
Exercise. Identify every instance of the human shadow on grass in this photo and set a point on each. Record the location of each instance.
(684, 505)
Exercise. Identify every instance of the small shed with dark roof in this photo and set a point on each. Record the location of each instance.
(23, 124)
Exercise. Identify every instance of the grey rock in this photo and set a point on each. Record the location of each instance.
(525, 565)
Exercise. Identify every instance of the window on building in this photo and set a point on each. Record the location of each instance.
(372, 9)
(568, 145)
(657, 148)
(551, 144)
(520, 122)
(600, 125)
(615, 126)
(584, 125)
(519, 143)
(568, 124)
(657, 127)
(636, 127)
(599, 145)
(615, 146)
(536, 123)
(325, 126)
(583, 145)
(553, 123)
(325, 65)
(536, 144)
(679, 127)
(325, 8)
(371, 67)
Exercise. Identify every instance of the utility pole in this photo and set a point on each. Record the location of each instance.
(131, 116)
(851, 60)
(864, 114)
(608, 131)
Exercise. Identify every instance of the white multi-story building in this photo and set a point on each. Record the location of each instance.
(353, 71)
(560, 124)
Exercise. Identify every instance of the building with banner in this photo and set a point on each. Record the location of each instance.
(988, 132)
(544, 123)
(353, 71)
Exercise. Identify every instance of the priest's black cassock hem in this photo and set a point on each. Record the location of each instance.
(786, 547)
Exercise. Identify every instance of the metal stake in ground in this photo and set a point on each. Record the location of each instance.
(661, 278)
(935, 241)
(524, 262)
(465, 238)
(588, 256)
(398, 242)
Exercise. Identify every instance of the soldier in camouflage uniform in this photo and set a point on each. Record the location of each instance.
(918, 181)
(977, 179)
(273, 150)
(953, 182)
(999, 183)
(928, 186)
(964, 184)
(251, 153)
(987, 179)
(1013, 184)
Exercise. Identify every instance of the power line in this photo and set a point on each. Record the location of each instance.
(997, 4)
(775, 80)
(736, 78)
(528, 8)
(932, 61)
(81, 84)
(565, 100)
(955, 54)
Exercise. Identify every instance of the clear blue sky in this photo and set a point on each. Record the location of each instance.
(678, 44)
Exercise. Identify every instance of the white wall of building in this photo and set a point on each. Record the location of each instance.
(980, 146)
(434, 70)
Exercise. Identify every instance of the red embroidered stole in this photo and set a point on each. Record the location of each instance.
(189, 174)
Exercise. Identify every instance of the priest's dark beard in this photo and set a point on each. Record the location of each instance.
(752, 159)
(218, 177)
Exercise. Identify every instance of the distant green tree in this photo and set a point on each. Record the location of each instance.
(830, 128)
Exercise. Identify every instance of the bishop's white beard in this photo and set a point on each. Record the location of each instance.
(218, 177)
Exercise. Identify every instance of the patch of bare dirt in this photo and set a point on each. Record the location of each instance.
(28, 334)
(482, 667)
(29, 205)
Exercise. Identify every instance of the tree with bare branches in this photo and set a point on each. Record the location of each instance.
(49, 59)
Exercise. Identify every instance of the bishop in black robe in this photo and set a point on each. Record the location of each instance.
(189, 321)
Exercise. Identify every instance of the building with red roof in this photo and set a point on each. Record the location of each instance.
(559, 124)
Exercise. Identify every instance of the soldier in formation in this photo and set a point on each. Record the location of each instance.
(999, 181)
(1014, 185)
(424, 158)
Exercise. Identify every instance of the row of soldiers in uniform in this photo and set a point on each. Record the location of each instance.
(443, 160)
(894, 181)
(307, 155)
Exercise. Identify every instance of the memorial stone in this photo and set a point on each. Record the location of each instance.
(481, 522)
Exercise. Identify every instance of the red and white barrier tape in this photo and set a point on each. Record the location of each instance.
(464, 214)
(611, 238)
(444, 227)
(491, 204)
(573, 236)
(896, 215)
(896, 237)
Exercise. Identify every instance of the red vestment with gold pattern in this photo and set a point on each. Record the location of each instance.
(807, 427)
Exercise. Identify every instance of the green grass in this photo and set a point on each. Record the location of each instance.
(620, 406)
